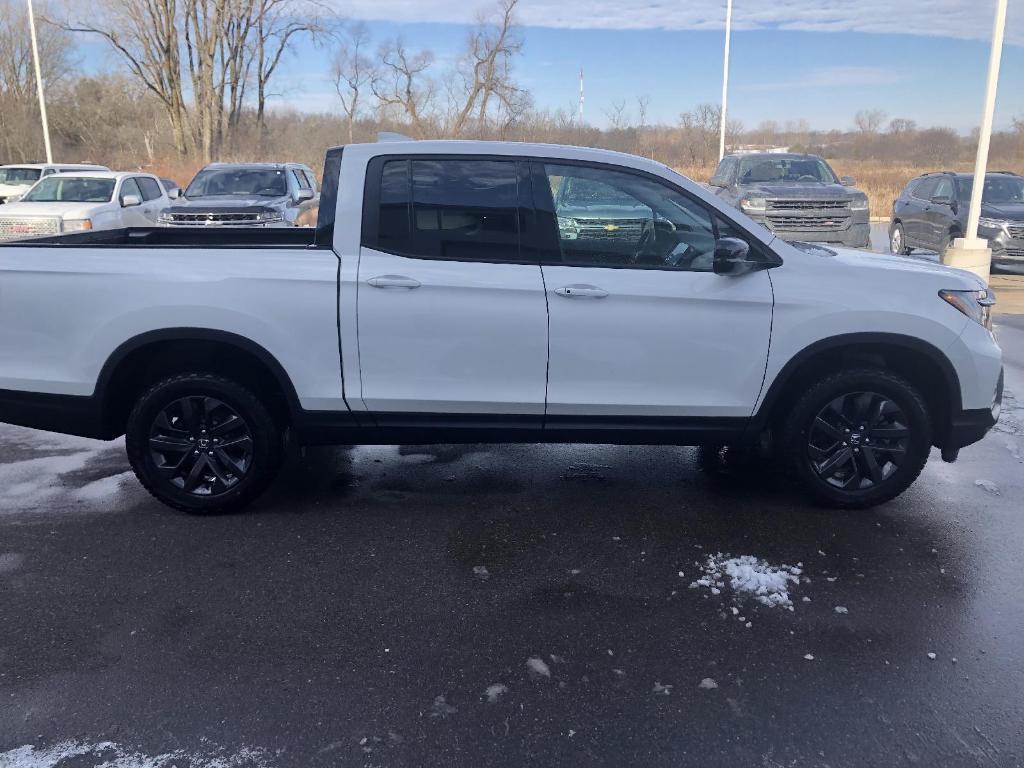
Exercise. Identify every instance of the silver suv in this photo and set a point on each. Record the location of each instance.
(245, 195)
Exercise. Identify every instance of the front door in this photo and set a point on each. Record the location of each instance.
(643, 332)
(451, 315)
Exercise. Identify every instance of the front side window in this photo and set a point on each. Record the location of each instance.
(300, 179)
(19, 175)
(223, 182)
(923, 189)
(449, 209)
(64, 189)
(609, 218)
(150, 188)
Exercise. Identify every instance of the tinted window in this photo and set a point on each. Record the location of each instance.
(944, 188)
(924, 188)
(129, 187)
(760, 169)
(150, 189)
(300, 179)
(18, 175)
(312, 179)
(726, 170)
(627, 220)
(222, 182)
(450, 209)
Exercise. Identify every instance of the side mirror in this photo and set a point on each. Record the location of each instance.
(174, 193)
(303, 194)
(732, 257)
(847, 181)
(941, 200)
(716, 181)
(129, 201)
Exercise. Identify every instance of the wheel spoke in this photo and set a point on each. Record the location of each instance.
(893, 432)
(163, 423)
(196, 474)
(868, 465)
(214, 466)
(833, 464)
(829, 429)
(173, 444)
(237, 466)
(231, 422)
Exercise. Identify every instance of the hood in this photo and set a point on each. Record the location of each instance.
(63, 210)
(802, 191)
(6, 190)
(1008, 211)
(884, 262)
(229, 203)
(605, 211)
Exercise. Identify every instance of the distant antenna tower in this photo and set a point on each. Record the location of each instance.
(581, 96)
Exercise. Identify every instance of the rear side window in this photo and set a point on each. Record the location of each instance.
(449, 209)
(150, 188)
(300, 179)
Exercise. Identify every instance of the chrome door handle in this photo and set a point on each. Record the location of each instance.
(581, 292)
(393, 281)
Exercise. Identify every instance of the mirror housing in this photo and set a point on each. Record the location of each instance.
(847, 181)
(733, 257)
(941, 200)
(174, 193)
(717, 181)
(130, 201)
(303, 195)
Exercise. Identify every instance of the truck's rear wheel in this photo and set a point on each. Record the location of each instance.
(858, 438)
(202, 443)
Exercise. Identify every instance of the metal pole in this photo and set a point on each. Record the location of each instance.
(39, 82)
(725, 77)
(981, 163)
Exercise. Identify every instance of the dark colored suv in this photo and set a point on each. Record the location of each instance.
(932, 210)
(798, 197)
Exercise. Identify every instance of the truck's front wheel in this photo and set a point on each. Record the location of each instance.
(202, 443)
(858, 438)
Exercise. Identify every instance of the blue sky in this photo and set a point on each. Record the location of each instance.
(820, 60)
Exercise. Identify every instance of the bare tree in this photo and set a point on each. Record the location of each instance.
(145, 35)
(484, 72)
(618, 118)
(400, 83)
(353, 71)
(869, 120)
(901, 125)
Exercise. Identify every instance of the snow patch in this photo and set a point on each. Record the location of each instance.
(841, 609)
(494, 692)
(104, 488)
(537, 667)
(661, 690)
(107, 754)
(481, 572)
(707, 684)
(988, 485)
(749, 576)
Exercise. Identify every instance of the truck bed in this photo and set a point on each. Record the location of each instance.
(179, 237)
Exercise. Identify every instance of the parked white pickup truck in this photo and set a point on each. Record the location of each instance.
(78, 202)
(441, 299)
(15, 180)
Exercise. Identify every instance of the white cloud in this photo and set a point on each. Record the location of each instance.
(970, 19)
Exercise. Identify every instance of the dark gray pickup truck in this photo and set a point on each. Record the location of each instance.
(798, 197)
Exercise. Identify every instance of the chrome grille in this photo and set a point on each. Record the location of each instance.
(1015, 253)
(17, 227)
(1016, 231)
(807, 223)
(213, 219)
(609, 229)
(807, 205)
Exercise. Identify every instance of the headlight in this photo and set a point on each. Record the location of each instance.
(754, 204)
(859, 203)
(977, 305)
(991, 223)
(271, 216)
(568, 229)
(77, 225)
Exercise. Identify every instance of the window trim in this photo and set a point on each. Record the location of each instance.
(525, 218)
(544, 207)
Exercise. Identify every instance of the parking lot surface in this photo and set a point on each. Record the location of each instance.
(509, 606)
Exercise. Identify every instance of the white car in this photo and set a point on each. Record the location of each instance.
(446, 297)
(15, 180)
(77, 202)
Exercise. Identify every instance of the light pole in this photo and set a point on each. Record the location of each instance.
(725, 78)
(971, 252)
(39, 82)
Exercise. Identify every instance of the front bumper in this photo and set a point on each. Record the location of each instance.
(1006, 250)
(970, 426)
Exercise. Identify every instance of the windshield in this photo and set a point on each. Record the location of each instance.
(233, 181)
(799, 170)
(580, 191)
(998, 189)
(73, 189)
(19, 175)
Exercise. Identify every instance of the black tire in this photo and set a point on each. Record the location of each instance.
(902, 249)
(862, 467)
(223, 473)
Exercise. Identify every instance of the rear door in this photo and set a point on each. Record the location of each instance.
(451, 307)
(643, 332)
(939, 213)
(132, 215)
(153, 199)
(914, 213)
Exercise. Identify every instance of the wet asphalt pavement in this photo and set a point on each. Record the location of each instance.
(358, 615)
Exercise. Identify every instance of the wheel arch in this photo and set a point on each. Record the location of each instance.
(144, 359)
(921, 363)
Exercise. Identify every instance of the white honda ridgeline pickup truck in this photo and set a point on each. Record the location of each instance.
(443, 297)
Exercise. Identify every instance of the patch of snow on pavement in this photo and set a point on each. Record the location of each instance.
(107, 754)
(707, 684)
(749, 576)
(537, 667)
(494, 692)
(104, 488)
(988, 485)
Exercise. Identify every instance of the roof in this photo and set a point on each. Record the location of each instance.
(53, 165)
(255, 166)
(776, 155)
(85, 173)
